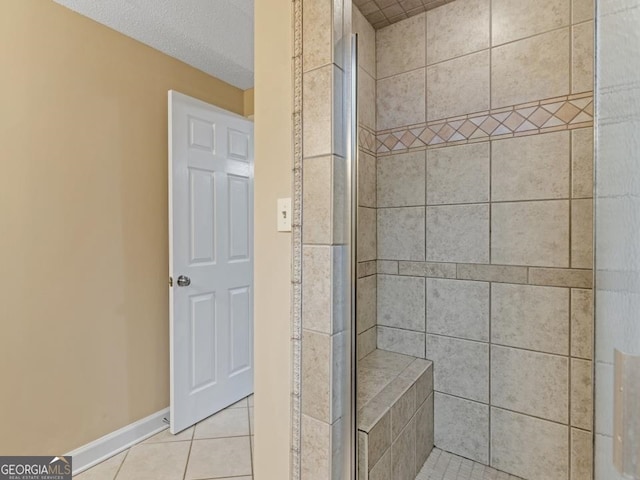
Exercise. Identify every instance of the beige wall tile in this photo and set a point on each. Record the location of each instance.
(366, 42)
(379, 440)
(401, 341)
(531, 168)
(582, 162)
(529, 447)
(492, 273)
(428, 269)
(367, 342)
(318, 182)
(321, 295)
(520, 74)
(388, 267)
(530, 382)
(582, 323)
(460, 367)
(581, 455)
(581, 394)
(382, 469)
(458, 308)
(456, 29)
(582, 64)
(317, 36)
(424, 432)
(366, 233)
(401, 302)
(583, 10)
(366, 180)
(400, 47)
(536, 318)
(366, 99)
(458, 233)
(403, 454)
(458, 174)
(458, 86)
(400, 180)
(402, 411)
(367, 268)
(366, 309)
(401, 233)
(530, 233)
(515, 20)
(315, 448)
(316, 375)
(401, 100)
(462, 427)
(561, 277)
(582, 233)
(317, 98)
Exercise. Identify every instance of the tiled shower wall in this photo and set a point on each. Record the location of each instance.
(483, 238)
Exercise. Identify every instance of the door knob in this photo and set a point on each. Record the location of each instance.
(184, 281)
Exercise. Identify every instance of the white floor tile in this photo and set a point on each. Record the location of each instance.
(155, 461)
(232, 422)
(219, 457)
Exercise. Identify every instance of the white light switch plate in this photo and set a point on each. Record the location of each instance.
(284, 214)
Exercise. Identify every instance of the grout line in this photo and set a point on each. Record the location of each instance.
(122, 463)
(186, 465)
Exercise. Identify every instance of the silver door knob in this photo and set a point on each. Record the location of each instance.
(184, 281)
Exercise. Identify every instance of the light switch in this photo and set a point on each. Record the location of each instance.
(284, 214)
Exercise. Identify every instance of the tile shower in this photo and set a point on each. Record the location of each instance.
(475, 229)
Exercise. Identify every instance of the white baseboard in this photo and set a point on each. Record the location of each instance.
(115, 442)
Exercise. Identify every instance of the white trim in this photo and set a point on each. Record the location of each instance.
(115, 442)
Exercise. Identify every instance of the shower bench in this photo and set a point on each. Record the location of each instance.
(395, 415)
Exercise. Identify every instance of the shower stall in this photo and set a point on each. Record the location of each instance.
(461, 345)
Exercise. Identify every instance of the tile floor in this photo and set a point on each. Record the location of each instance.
(443, 465)
(219, 447)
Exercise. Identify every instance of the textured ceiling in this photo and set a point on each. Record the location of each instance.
(215, 36)
(381, 13)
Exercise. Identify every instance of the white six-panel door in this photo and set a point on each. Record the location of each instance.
(211, 259)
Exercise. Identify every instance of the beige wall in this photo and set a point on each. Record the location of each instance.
(83, 211)
(273, 151)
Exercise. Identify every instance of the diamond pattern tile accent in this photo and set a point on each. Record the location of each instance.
(526, 119)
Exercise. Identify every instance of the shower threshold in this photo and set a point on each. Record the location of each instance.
(443, 465)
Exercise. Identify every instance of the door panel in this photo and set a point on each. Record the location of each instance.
(211, 259)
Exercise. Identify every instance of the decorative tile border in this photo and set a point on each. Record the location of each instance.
(561, 113)
(367, 140)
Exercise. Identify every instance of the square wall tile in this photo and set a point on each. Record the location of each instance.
(458, 87)
(401, 100)
(582, 78)
(366, 180)
(367, 342)
(462, 427)
(323, 196)
(401, 233)
(322, 300)
(317, 376)
(317, 116)
(583, 10)
(367, 303)
(582, 394)
(530, 233)
(530, 382)
(317, 36)
(400, 180)
(458, 308)
(529, 447)
(406, 342)
(582, 162)
(403, 454)
(535, 318)
(366, 42)
(460, 367)
(458, 233)
(582, 233)
(316, 448)
(456, 29)
(520, 73)
(366, 99)
(401, 302)
(582, 455)
(582, 323)
(531, 168)
(424, 431)
(400, 47)
(458, 174)
(524, 18)
(367, 234)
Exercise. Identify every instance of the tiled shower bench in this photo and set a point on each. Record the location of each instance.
(395, 416)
